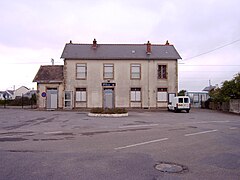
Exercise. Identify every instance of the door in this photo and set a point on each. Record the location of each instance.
(52, 96)
(68, 99)
(171, 97)
(108, 98)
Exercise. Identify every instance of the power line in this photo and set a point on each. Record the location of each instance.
(207, 52)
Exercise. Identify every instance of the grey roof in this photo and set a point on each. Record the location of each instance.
(49, 74)
(209, 88)
(119, 51)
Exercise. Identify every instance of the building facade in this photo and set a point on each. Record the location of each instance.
(117, 75)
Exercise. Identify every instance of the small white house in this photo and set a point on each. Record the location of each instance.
(20, 92)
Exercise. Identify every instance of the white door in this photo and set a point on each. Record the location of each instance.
(53, 101)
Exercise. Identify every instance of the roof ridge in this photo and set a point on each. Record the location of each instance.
(119, 44)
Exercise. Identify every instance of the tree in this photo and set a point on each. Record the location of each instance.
(229, 90)
(182, 93)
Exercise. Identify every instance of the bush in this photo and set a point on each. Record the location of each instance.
(108, 111)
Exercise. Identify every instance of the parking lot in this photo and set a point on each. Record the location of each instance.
(70, 145)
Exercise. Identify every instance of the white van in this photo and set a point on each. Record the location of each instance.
(180, 103)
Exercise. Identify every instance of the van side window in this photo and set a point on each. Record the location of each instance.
(185, 100)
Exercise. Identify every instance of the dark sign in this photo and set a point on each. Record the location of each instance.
(108, 84)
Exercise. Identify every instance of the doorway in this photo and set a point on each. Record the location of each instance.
(108, 98)
(52, 97)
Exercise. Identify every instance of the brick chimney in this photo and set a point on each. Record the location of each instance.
(94, 43)
(149, 48)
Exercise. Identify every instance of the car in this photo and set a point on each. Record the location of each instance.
(180, 103)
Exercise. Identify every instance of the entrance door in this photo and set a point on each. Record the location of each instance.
(108, 98)
(52, 96)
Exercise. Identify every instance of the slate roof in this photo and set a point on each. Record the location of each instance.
(119, 52)
(49, 74)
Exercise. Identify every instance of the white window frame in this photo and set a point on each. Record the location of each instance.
(81, 95)
(81, 71)
(106, 73)
(68, 99)
(136, 74)
(162, 95)
(135, 95)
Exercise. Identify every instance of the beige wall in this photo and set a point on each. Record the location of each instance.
(148, 80)
(41, 103)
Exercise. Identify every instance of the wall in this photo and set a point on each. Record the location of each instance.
(235, 106)
(148, 81)
(41, 101)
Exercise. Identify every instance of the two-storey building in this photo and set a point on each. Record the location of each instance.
(113, 75)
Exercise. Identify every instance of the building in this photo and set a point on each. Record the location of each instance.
(19, 92)
(197, 97)
(110, 75)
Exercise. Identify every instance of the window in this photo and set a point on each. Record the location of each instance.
(135, 94)
(162, 94)
(108, 71)
(135, 71)
(81, 71)
(186, 100)
(162, 71)
(81, 95)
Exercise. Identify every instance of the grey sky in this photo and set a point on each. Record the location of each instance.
(33, 32)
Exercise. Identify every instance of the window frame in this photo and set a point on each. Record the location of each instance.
(135, 90)
(85, 74)
(162, 90)
(160, 71)
(131, 71)
(81, 90)
(104, 73)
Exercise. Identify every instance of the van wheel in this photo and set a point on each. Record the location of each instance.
(187, 111)
(175, 110)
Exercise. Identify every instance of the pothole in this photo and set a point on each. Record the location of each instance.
(168, 167)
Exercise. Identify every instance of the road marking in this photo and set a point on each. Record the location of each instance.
(53, 132)
(140, 125)
(233, 128)
(205, 122)
(203, 132)
(139, 144)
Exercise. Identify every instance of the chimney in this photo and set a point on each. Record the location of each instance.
(167, 43)
(148, 48)
(94, 43)
(70, 42)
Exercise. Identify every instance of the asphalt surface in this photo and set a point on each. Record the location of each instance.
(70, 145)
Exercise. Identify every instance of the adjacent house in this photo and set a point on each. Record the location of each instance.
(19, 92)
(110, 75)
(8, 94)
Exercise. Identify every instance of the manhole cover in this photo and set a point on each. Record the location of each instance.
(169, 167)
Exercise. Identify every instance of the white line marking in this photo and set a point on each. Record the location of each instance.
(143, 143)
(141, 125)
(205, 122)
(233, 128)
(54, 132)
(203, 132)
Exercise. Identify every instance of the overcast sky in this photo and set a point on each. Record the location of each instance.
(34, 32)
